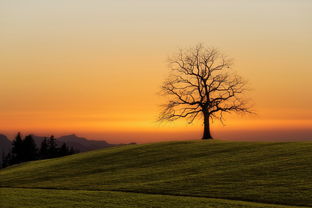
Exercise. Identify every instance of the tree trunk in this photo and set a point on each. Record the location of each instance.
(206, 134)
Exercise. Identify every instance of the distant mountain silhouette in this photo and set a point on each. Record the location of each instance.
(5, 146)
(78, 143)
(83, 144)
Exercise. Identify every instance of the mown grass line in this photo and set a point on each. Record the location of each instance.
(159, 194)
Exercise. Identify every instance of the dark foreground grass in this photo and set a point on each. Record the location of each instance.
(35, 198)
(275, 173)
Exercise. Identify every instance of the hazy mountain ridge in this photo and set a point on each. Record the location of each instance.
(5, 144)
(80, 144)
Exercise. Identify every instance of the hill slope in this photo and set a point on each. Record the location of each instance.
(277, 173)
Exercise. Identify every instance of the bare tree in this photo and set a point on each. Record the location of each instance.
(202, 84)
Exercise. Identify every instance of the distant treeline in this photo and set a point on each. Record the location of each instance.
(24, 150)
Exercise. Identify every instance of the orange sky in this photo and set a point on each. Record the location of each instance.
(94, 67)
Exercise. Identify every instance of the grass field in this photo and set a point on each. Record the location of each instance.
(172, 174)
(38, 198)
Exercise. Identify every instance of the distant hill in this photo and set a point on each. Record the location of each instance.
(273, 173)
(78, 143)
(5, 143)
(5, 146)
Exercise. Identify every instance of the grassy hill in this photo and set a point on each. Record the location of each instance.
(185, 174)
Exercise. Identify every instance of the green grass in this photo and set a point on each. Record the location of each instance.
(274, 173)
(34, 198)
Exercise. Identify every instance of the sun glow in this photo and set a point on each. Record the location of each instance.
(66, 67)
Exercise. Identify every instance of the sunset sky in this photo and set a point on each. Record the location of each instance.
(94, 68)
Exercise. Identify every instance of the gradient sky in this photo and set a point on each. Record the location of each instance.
(94, 67)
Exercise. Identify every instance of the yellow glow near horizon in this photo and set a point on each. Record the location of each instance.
(94, 68)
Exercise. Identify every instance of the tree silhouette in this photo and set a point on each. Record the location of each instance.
(72, 151)
(52, 147)
(30, 151)
(202, 83)
(44, 149)
(63, 150)
(26, 150)
(6, 159)
(17, 149)
(22, 150)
